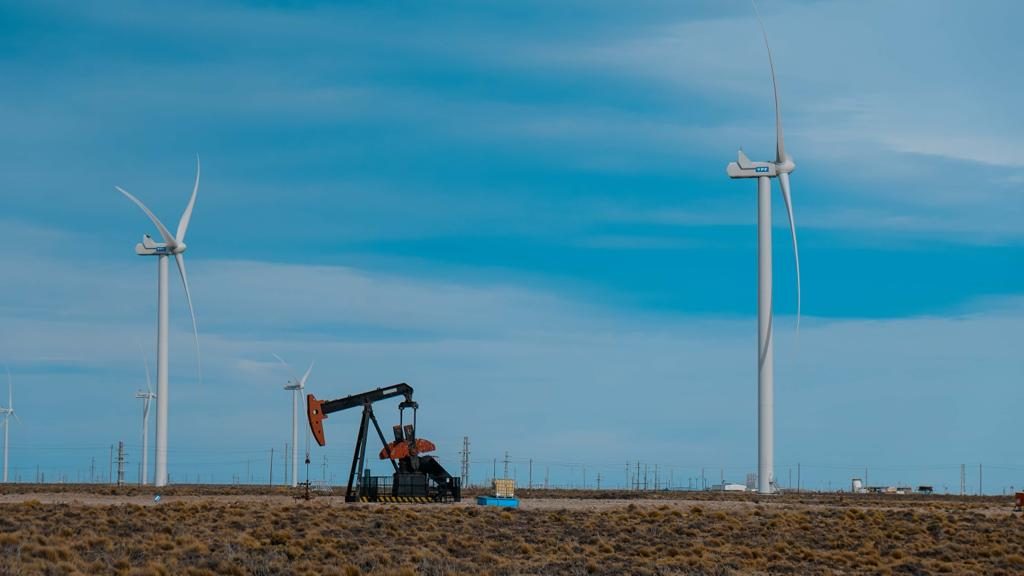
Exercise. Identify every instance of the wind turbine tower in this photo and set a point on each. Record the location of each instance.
(146, 397)
(7, 413)
(764, 172)
(171, 246)
(296, 386)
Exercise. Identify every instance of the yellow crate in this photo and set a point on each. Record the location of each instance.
(504, 487)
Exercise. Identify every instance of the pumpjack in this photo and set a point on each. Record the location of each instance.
(417, 477)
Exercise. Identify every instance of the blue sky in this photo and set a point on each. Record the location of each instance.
(521, 210)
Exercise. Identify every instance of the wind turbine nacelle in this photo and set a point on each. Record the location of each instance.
(751, 170)
(150, 248)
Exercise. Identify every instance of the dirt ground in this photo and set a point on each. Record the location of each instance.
(248, 530)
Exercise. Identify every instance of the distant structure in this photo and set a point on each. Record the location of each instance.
(120, 463)
(296, 387)
(171, 246)
(764, 172)
(146, 397)
(465, 461)
(728, 487)
(7, 413)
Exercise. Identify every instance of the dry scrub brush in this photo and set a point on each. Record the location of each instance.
(328, 537)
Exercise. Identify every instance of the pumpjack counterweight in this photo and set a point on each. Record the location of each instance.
(417, 477)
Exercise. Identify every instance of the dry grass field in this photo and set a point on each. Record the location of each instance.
(236, 530)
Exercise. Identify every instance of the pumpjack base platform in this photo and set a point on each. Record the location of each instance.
(401, 499)
(495, 501)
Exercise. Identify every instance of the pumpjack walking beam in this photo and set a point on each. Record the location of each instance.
(317, 410)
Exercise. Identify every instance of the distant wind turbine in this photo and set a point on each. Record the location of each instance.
(171, 246)
(146, 397)
(764, 172)
(7, 413)
(296, 386)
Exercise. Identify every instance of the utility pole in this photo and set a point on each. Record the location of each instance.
(963, 480)
(465, 461)
(120, 463)
(530, 481)
(979, 480)
(110, 471)
(494, 468)
(797, 477)
(506, 464)
(703, 482)
(598, 480)
(270, 481)
(546, 469)
(323, 469)
(92, 471)
(656, 477)
(636, 479)
(646, 468)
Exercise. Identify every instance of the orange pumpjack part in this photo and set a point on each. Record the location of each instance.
(315, 413)
(400, 449)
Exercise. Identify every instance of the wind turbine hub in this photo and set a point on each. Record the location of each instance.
(786, 167)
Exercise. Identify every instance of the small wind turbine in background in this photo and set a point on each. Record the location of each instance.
(764, 172)
(171, 246)
(296, 386)
(7, 413)
(145, 397)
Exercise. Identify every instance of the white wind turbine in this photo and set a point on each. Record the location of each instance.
(296, 386)
(764, 172)
(7, 413)
(171, 246)
(146, 397)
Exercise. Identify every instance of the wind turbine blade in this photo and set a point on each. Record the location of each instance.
(283, 363)
(180, 259)
(186, 216)
(145, 364)
(302, 383)
(149, 383)
(784, 182)
(281, 360)
(780, 147)
(10, 388)
(164, 232)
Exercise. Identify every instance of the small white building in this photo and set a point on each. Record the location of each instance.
(729, 487)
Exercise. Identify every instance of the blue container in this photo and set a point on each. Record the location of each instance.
(495, 501)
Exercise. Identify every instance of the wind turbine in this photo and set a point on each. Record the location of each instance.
(7, 413)
(764, 172)
(296, 386)
(145, 397)
(171, 246)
